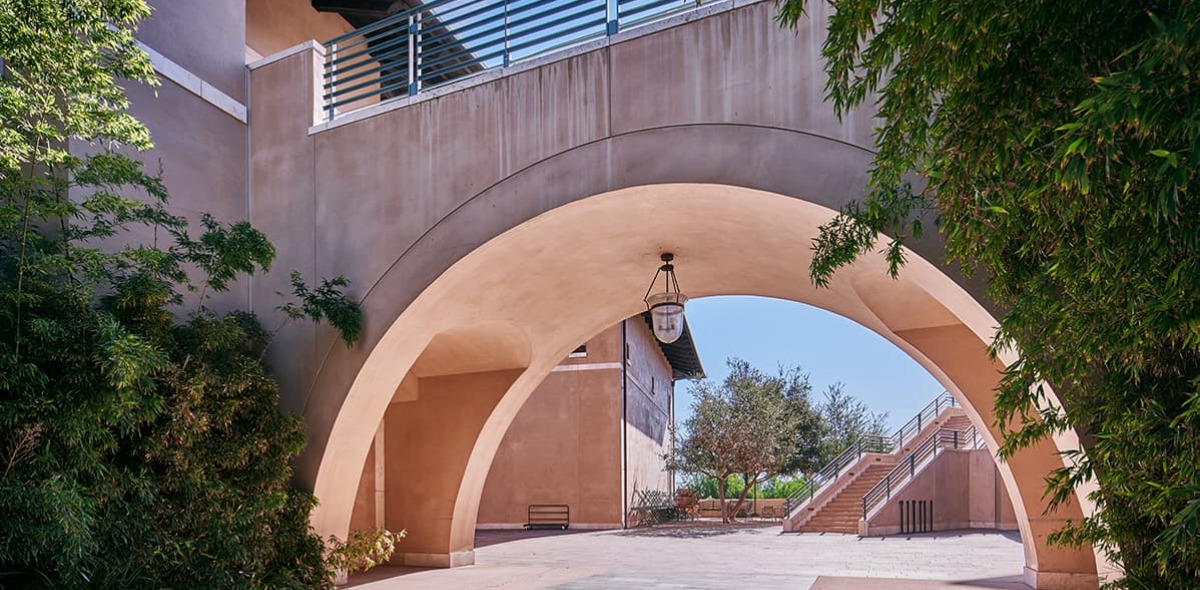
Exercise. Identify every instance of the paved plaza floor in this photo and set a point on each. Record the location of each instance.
(709, 556)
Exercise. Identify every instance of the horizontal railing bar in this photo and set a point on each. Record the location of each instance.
(518, 23)
(458, 35)
(467, 52)
(459, 66)
(382, 90)
(543, 39)
(380, 81)
(342, 55)
(449, 17)
(642, 8)
(338, 77)
(399, 17)
(423, 14)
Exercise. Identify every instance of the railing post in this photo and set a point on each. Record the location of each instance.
(912, 465)
(414, 47)
(332, 80)
(506, 57)
(612, 10)
(956, 440)
(918, 423)
(889, 486)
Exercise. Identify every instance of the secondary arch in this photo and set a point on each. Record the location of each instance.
(580, 267)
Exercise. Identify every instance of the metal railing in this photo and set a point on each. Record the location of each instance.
(923, 418)
(445, 40)
(832, 470)
(916, 460)
(875, 444)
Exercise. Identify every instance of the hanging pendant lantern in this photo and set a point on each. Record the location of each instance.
(666, 308)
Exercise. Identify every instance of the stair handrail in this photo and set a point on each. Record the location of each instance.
(916, 461)
(923, 418)
(870, 444)
(809, 486)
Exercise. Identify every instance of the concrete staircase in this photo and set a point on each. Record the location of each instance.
(842, 513)
(837, 505)
(957, 421)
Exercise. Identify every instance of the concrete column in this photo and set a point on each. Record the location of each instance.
(284, 94)
(961, 356)
(428, 443)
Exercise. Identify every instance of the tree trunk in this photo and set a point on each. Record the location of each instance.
(742, 497)
(721, 500)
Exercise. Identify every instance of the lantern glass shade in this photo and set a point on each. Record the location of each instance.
(666, 313)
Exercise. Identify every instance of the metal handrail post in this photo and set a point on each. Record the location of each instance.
(412, 53)
(612, 12)
(912, 465)
(506, 55)
(333, 47)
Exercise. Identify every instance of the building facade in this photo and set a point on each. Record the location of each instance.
(593, 434)
(427, 204)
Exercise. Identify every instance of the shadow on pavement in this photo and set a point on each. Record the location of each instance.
(695, 530)
(1013, 536)
(845, 583)
(496, 537)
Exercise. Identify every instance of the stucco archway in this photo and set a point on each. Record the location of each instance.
(580, 267)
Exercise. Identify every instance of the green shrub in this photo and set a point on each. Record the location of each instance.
(141, 440)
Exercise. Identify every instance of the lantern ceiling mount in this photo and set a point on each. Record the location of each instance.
(666, 307)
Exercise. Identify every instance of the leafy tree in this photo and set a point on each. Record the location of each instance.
(141, 445)
(780, 486)
(752, 427)
(1055, 145)
(847, 419)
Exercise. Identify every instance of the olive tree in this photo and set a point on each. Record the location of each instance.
(753, 425)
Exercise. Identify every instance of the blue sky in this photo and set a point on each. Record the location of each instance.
(830, 348)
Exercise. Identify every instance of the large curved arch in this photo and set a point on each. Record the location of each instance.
(579, 267)
(405, 198)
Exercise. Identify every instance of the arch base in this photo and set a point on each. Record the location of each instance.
(1044, 580)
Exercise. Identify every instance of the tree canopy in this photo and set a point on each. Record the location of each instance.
(846, 419)
(1054, 147)
(141, 441)
(753, 425)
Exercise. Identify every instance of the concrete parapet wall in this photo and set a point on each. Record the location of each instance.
(965, 490)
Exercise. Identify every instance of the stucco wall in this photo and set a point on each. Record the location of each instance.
(206, 38)
(647, 413)
(966, 492)
(427, 443)
(564, 447)
(364, 502)
(200, 149)
(275, 25)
